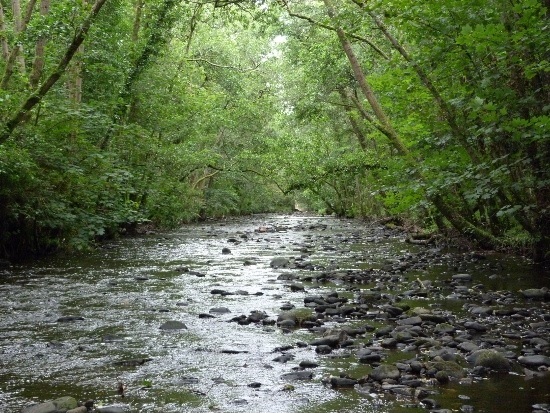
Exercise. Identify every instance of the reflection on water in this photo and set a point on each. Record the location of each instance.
(121, 294)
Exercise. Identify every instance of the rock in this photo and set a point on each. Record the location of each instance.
(490, 359)
(173, 325)
(473, 325)
(220, 292)
(323, 349)
(332, 340)
(112, 409)
(81, 409)
(536, 293)
(60, 405)
(462, 277)
(46, 407)
(279, 262)
(444, 328)
(286, 323)
(468, 346)
(298, 375)
(450, 368)
(430, 403)
(342, 382)
(284, 358)
(296, 287)
(534, 361)
(220, 310)
(65, 403)
(411, 321)
(132, 362)
(385, 371)
(69, 319)
(307, 364)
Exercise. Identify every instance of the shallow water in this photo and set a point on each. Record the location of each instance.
(125, 290)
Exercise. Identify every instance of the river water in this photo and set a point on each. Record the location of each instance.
(80, 325)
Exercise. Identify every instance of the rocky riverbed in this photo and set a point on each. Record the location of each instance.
(277, 313)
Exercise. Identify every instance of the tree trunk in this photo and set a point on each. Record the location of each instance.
(38, 65)
(16, 54)
(52, 79)
(3, 40)
(137, 20)
(18, 26)
(353, 122)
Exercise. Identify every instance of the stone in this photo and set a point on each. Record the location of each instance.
(490, 359)
(69, 319)
(279, 262)
(46, 407)
(307, 364)
(111, 409)
(450, 368)
(473, 325)
(385, 371)
(65, 403)
(81, 409)
(298, 375)
(534, 361)
(462, 277)
(342, 382)
(220, 310)
(535, 293)
(173, 325)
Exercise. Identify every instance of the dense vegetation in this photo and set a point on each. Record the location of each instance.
(121, 112)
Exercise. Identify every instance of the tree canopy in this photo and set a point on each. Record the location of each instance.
(117, 113)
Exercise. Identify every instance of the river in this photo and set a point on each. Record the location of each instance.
(83, 325)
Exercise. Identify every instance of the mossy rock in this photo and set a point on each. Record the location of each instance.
(451, 368)
(490, 359)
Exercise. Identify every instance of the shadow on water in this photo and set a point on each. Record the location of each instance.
(80, 324)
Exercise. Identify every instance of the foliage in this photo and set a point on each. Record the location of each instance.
(176, 111)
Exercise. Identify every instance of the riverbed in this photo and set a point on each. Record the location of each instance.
(190, 321)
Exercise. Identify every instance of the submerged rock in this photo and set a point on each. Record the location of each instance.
(279, 262)
(173, 325)
(60, 405)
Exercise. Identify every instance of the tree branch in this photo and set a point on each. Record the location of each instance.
(331, 28)
(240, 69)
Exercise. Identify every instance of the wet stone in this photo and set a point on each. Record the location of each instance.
(342, 382)
(220, 310)
(173, 325)
(69, 319)
(307, 364)
(298, 375)
(279, 262)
